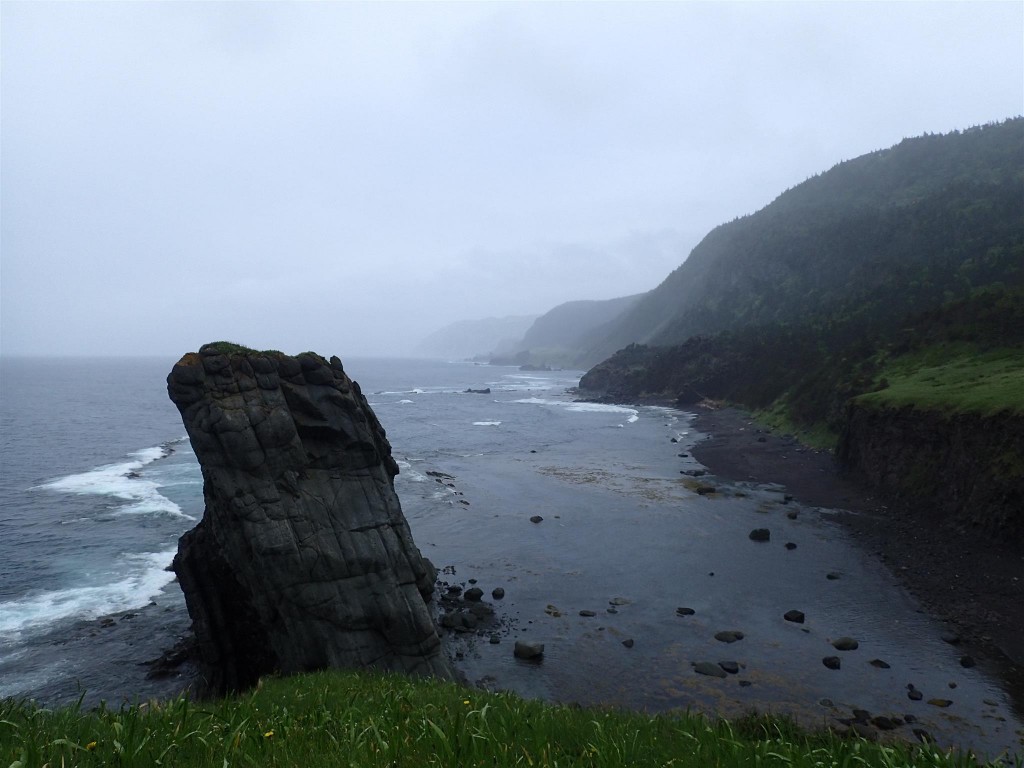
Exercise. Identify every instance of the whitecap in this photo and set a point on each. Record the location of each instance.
(122, 481)
(406, 471)
(583, 407)
(486, 423)
(405, 401)
(147, 578)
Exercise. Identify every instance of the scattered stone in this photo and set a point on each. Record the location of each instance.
(951, 684)
(792, 514)
(729, 636)
(681, 611)
(878, 664)
(474, 594)
(832, 662)
(883, 723)
(709, 669)
(674, 440)
(914, 695)
(527, 650)
(845, 644)
(553, 611)
(826, 702)
(864, 731)
(587, 614)
(745, 683)
(832, 575)
(797, 617)
(951, 637)
(612, 609)
(536, 519)
(618, 601)
(762, 439)
(909, 719)
(729, 666)
(498, 593)
(628, 642)
(861, 715)
(760, 534)
(790, 545)
(943, 703)
(495, 639)
(923, 735)
(967, 662)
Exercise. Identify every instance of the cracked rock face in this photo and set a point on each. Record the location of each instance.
(303, 559)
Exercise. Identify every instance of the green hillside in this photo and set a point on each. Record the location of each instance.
(877, 238)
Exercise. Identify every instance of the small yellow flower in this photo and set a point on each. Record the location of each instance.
(268, 735)
(465, 701)
(91, 746)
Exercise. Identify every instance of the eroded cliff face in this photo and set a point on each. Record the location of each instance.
(303, 559)
(963, 469)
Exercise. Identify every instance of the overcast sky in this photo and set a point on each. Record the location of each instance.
(348, 177)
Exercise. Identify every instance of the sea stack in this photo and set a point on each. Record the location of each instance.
(303, 559)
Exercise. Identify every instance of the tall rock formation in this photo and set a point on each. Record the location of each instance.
(303, 559)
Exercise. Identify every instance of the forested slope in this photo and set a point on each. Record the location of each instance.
(878, 237)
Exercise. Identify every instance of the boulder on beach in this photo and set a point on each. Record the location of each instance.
(728, 636)
(303, 559)
(528, 650)
(845, 644)
(709, 668)
(760, 534)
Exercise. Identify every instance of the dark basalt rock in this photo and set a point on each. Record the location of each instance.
(303, 559)
(709, 669)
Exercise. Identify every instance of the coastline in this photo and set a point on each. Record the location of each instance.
(966, 580)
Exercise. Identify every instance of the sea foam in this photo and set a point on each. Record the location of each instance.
(147, 576)
(122, 482)
(582, 407)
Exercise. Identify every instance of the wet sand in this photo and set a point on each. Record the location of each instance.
(962, 577)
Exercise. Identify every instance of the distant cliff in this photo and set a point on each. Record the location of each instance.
(467, 339)
(303, 559)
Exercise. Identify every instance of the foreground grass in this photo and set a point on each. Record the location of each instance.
(953, 381)
(364, 719)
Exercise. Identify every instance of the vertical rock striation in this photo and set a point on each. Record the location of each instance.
(303, 559)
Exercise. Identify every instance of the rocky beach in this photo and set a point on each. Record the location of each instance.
(968, 579)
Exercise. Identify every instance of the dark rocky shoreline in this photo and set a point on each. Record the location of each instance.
(963, 577)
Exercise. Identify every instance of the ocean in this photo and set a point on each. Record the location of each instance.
(97, 482)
